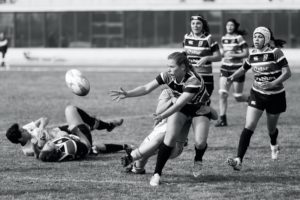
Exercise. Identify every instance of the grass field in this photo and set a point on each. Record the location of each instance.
(26, 96)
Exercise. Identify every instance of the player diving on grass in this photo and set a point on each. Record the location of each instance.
(136, 160)
(35, 137)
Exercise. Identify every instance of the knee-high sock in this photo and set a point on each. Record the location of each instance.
(92, 121)
(200, 153)
(162, 158)
(273, 137)
(244, 143)
(111, 148)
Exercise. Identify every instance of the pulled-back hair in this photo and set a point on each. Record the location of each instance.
(236, 27)
(276, 42)
(181, 58)
(13, 133)
(205, 28)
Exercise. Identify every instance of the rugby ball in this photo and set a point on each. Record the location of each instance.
(78, 83)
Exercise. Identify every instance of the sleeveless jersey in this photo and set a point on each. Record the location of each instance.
(70, 147)
(266, 66)
(190, 84)
(235, 44)
(198, 47)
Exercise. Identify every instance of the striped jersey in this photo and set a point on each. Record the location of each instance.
(198, 47)
(266, 66)
(70, 147)
(190, 83)
(234, 44)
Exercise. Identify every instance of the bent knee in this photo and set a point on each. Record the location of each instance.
(223, 93)
(238, 97)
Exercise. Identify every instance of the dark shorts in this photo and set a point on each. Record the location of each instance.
(194, 111)
(226, 74)
(273, 104)
(3, 49)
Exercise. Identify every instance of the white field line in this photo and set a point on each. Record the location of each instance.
(48, 180)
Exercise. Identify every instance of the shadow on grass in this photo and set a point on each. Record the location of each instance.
(19, 192)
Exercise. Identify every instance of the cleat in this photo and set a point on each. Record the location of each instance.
(155, 180)
(197, 168)
(114, 124)
(235, 163)
(126, 160)
(94, 151)
(134, 170)
(128, 148)
(221, 123)
(274, 151)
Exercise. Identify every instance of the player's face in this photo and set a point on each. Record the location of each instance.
(196, 26)
(230, 27)
(258, 40)
(174, 70)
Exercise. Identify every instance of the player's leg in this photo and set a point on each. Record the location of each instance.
(174, 128)
(98, 124)
(201, 129)
(276, 105)
(238, 87)
(252, 117)
(223, 92)
(109, 148)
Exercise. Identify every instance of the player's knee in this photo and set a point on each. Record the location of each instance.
(177, 150)
(223, 93)
(238, 97)
(200, 144)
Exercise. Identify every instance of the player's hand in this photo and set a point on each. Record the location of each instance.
(202, 61)
(157, 118)
(267, 85)
(229, 81)
(117, 95)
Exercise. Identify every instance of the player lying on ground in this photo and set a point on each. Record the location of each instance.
(150, 145)
(38, 133)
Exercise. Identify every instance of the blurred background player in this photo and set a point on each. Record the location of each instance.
(3, 50)
(151, 143)
(235, 49)
(270, 69)
(38, 133)
(202, 50)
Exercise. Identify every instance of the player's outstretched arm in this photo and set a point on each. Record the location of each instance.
(120, 94)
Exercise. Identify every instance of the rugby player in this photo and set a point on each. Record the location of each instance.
(235, 49)
(270, 69)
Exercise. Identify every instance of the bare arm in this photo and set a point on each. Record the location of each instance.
(181, 101)
(243, 54)
(138, 91)
(42, 122)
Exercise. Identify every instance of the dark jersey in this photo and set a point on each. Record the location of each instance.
(70, 147)
(190, 84)
(266, 66)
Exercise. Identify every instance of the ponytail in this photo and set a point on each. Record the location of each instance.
(277, 42)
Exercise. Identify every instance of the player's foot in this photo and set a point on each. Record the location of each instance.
(155, 180)
(135, 170)
(94, 151)
(128, 148)
(197, 168)
(114, 124)
(221, 123)
(274, 151)
(126, 160)
(235, 163)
